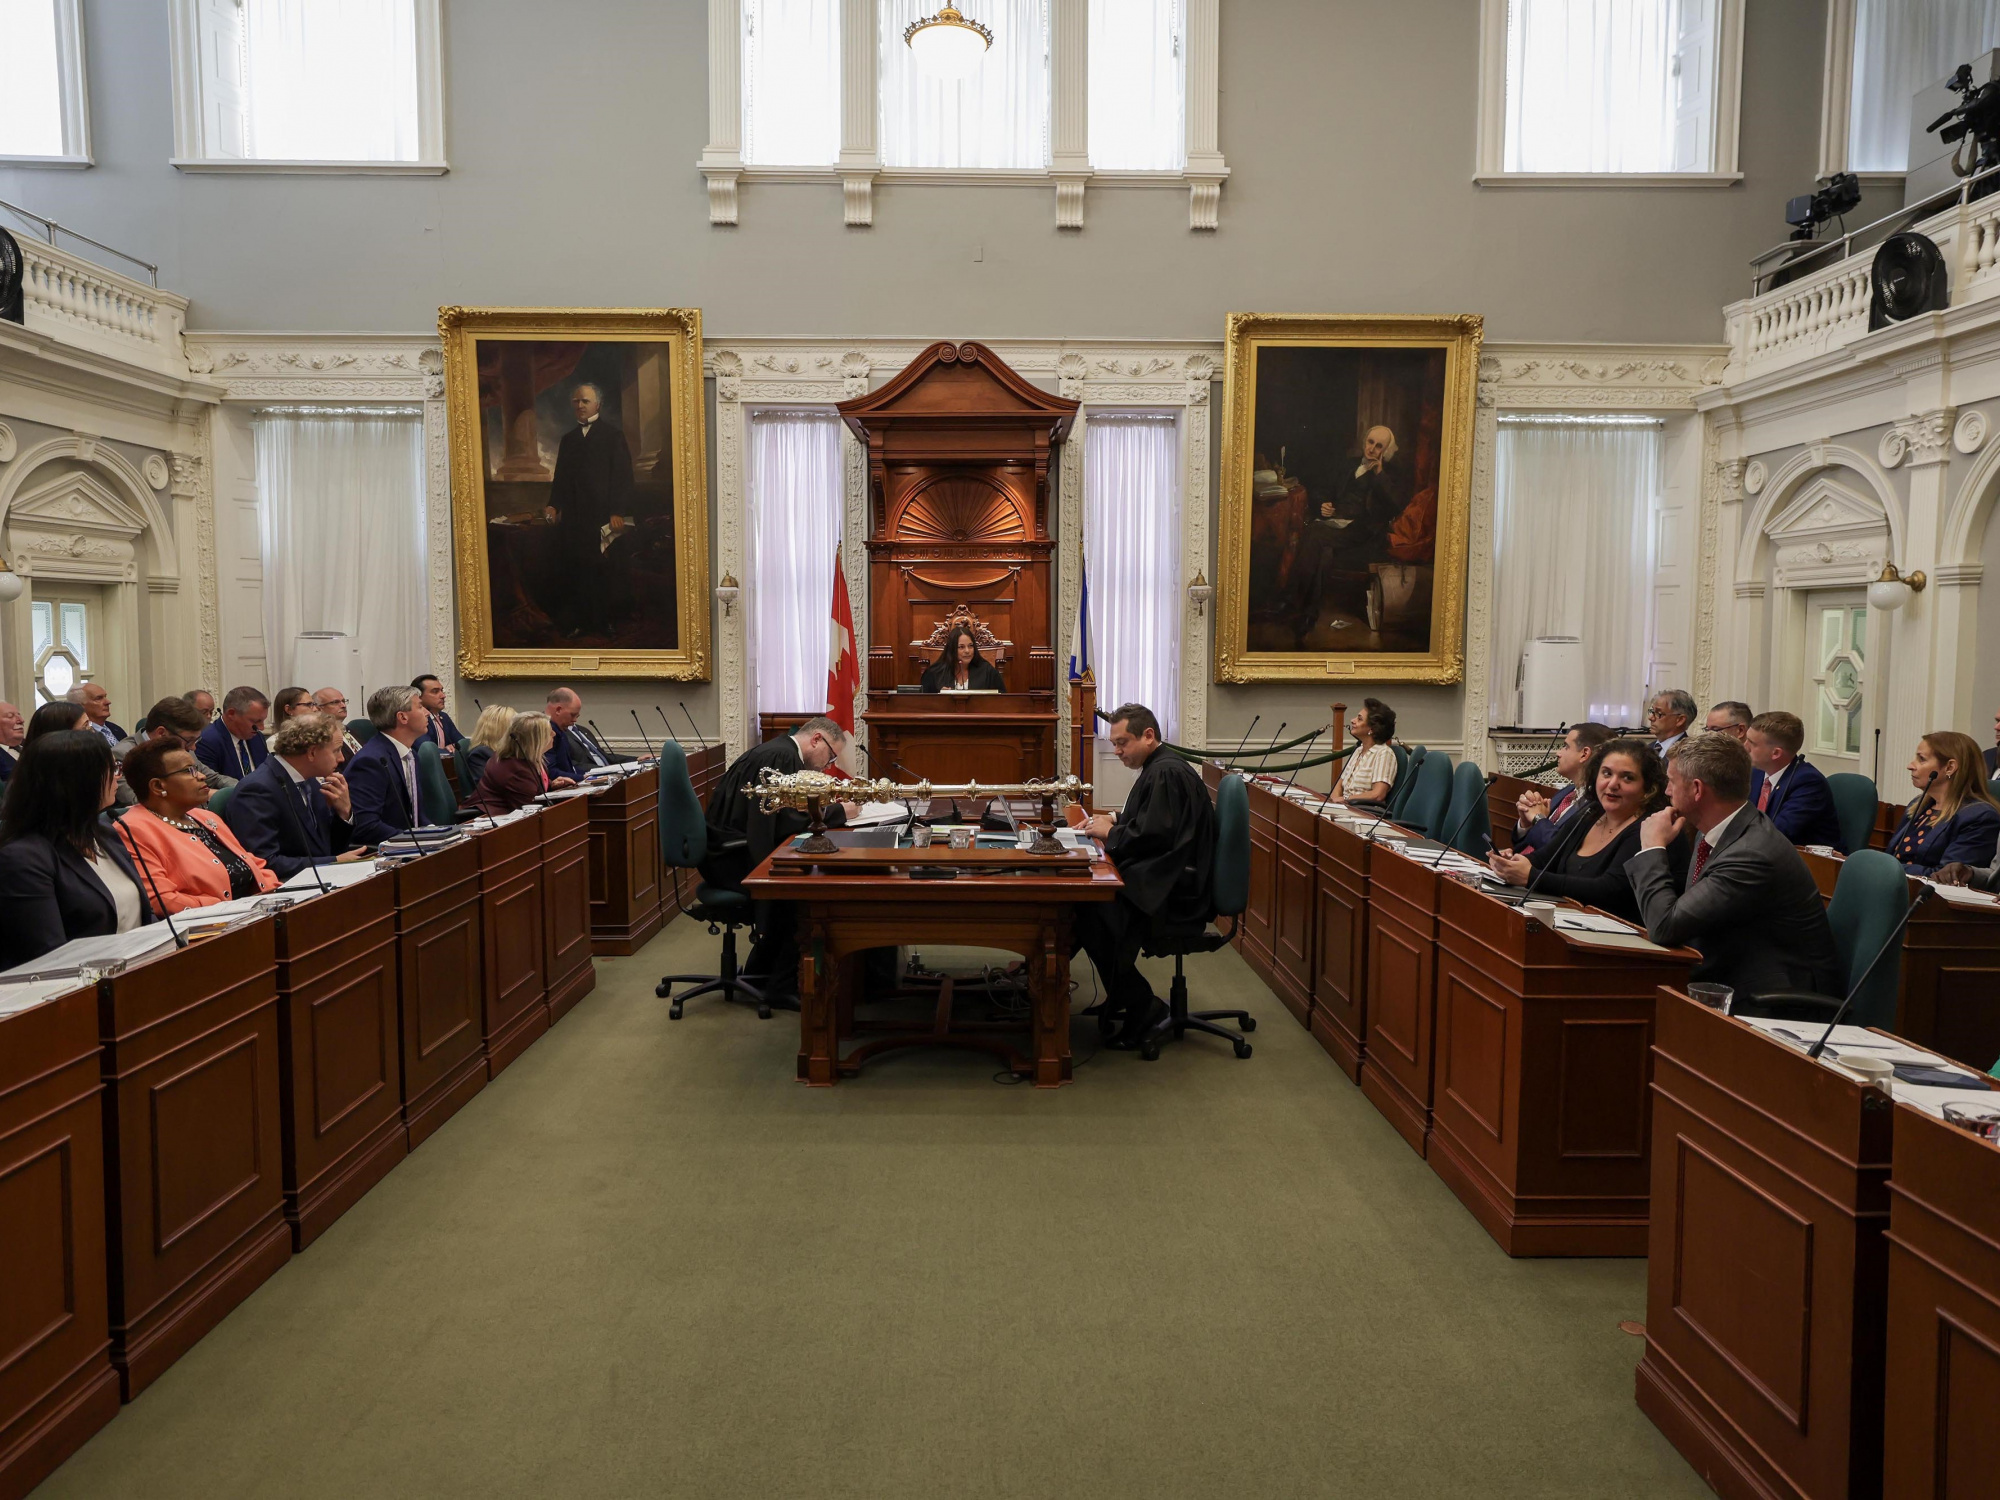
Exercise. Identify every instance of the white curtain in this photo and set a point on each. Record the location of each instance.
(795, 511)
(30, 84)
(1572, 501)
(1132, 553)
(791, 82)
(1590, 86)
(997, 118)
(341, 505)
(1136, 86)
(1900, 48)
(331, 80)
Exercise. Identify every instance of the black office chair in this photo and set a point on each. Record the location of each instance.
(1232, 894)
(683, 846)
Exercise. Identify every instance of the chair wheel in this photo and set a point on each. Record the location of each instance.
(674, 1011)
(1242, 1049)
(1249, 1023)
(1150, 1049)
(663, 989)
(763, 1012)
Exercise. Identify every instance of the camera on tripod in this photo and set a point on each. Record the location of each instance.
(1973, 125)
(1808, 211)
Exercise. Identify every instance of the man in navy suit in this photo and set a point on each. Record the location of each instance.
(576, 751)
(13, 729)
(295, 810)
(96, 702)
(1540, 819)
(442, 733)
(1791, 792)
(382, 777)
(234, 744)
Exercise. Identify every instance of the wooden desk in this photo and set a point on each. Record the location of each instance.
(57, 1386)
(1253, 929)
(1296, 872)
(625, 864)
(439, 986)
(1402, 991)
(340, 1078)
(1766, 1286)
(565, 831)
(1943, 1366)
(1543, 1049)
(958, 737)
(849, 906)
(1340, 948)
(514, 994)
(194, 1143)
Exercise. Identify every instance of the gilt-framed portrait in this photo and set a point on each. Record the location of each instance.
(1346, 497)
(579, 491)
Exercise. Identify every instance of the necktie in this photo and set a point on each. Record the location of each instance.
(410, 787)
(1701, 852)
(242, 757)
(1764, 796)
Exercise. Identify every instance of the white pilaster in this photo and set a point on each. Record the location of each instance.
(1205, 168)
(860, 153)
(722, 161)
(1069, 136)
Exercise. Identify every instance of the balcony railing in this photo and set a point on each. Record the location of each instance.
(85, 305)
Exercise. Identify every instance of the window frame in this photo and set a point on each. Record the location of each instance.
(191, 87)
(73, 96)
(1836, 99)
(1724, 167)
(860, 168)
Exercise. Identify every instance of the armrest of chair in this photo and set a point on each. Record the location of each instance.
(1788, 1005)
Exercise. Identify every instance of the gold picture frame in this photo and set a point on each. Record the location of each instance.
(561, 607)
(1344, 573)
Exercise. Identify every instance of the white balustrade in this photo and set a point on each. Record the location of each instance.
(79, 303)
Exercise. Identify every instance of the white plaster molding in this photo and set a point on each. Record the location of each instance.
(1600, 376)
(1479, 558)
(1721, 485)
(155, 469)
(191, 482)
(1958, 575)
(119, 483)
(1970, 433)
(442, 593)
(1755, 588)
(1754, 477)
(1924, 439)
(1798, 470)
(313, 367)
(8, 445)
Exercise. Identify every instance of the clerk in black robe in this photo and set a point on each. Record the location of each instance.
(732, 814)
(1163, 843)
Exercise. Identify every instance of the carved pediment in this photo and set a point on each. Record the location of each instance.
(1826, 508)
(1828, 535)
(953, 381)
(960, 508)
(76, 501)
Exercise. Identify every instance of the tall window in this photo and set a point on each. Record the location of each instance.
(998, 118)
(1572, 497)
(1137, 84)
(317, 83)
(795, 509)
(791, 82)
(44, 113)
(1900, 48)
(1132, 556)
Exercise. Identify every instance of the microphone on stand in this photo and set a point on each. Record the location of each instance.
(699, 737)
(1266, 754)
(597, 737)
(1304, 756)
(1585, 818)
(1923, 894)
(651, 753)
(1245, 740)
(139, 859)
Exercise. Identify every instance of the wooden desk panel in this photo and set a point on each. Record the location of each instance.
(1767, 1278)
(1402, 992)
(1941, 1438)
(194, 1143)
(625, 864)
(1340, 948)
(340, 1059)
(514, 998)
(566, 905)
(1258, 916)
(950, 737)
(57, 1385)
(1293, 912)
(440, 984)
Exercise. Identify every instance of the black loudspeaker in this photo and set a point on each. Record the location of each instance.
(1908, 278)
(13, 270)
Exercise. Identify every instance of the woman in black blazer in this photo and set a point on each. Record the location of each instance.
(960, 666)
(64, 874)
(1624, 781)
(516, 776)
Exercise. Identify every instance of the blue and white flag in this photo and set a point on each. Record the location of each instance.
(1079, 635)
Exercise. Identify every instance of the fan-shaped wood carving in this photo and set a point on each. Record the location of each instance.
(960, 508)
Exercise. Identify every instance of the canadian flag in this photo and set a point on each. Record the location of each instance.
(843, 671)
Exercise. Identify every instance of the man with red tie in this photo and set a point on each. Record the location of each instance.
(1785, 787)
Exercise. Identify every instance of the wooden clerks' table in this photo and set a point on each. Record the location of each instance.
(857, 899)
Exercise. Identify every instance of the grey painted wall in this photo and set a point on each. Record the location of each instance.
(572, 131)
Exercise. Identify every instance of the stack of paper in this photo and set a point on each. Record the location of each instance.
(15, 998)
(1963, 895)
(115, 947)
(1589, 921)
(335, 876)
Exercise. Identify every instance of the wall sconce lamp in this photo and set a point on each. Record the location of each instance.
(1200, 591)
(1892, 590)
(727, 592)
(11, 583)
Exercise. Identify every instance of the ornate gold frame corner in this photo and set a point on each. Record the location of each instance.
(1460, 336)
(459, 328)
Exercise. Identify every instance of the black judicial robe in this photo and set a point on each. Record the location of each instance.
(733, 815)
(1164, 846)
(981, 676)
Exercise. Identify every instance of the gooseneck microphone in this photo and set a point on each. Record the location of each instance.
(1923, 894)
(1266, 753)
(1450, 841)
(1585, 817)
(1245, 740)
(700, 738)
(603, 746)
(644, 738)
(1304, 756)
(139, 859)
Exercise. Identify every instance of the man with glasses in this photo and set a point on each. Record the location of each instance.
(333, 703)
(180, 721)
(1731, 718)
(1668, 716)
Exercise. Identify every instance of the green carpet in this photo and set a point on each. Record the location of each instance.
(647, 1262)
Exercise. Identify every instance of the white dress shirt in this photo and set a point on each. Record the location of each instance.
(409, 763)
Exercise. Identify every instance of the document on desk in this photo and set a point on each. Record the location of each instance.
(335, 876)
(1961, 895)
(113, 947)
(199, 921)
(1802, 1034)
(15, 998)
(1632, 942)
(1589, 921)
(874, 813)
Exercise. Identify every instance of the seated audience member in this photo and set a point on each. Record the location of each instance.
(489, 736)
(96, 704)
(203, 703)
(576, 750)
(333, 703)
(1787, 788)
(55, 718)
(382, 778)
(186, 854)
(1538, 818)
(13, 729)
(1731, 718)
(1163, 842)
(1624, 782)
(63, 873)
(295, 810)
(518, 773)
(773, 964)
(442, 733)
(1955, 818)
(1668, 716)
(960, 666)
(1368, 775)
(234, 744)
(170, 719)
(288, 702)
(1748, 903)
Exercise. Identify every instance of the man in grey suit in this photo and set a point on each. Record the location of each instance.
(1750, 905)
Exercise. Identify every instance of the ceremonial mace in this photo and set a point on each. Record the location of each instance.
(811, 791)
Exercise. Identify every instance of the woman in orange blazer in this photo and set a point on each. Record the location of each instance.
(186, 857)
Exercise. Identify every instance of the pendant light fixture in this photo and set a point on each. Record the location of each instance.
(947, 45)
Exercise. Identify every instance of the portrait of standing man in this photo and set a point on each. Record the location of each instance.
(590, 502)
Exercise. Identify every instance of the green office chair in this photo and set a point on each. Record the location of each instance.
(1232, 894)
(219, 799)
(362, 730)
(683, 846)
(1406, 779)
(1430, 797)
(1854, 803)
(1869, 899)
(440, 802)
(1467, 826)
